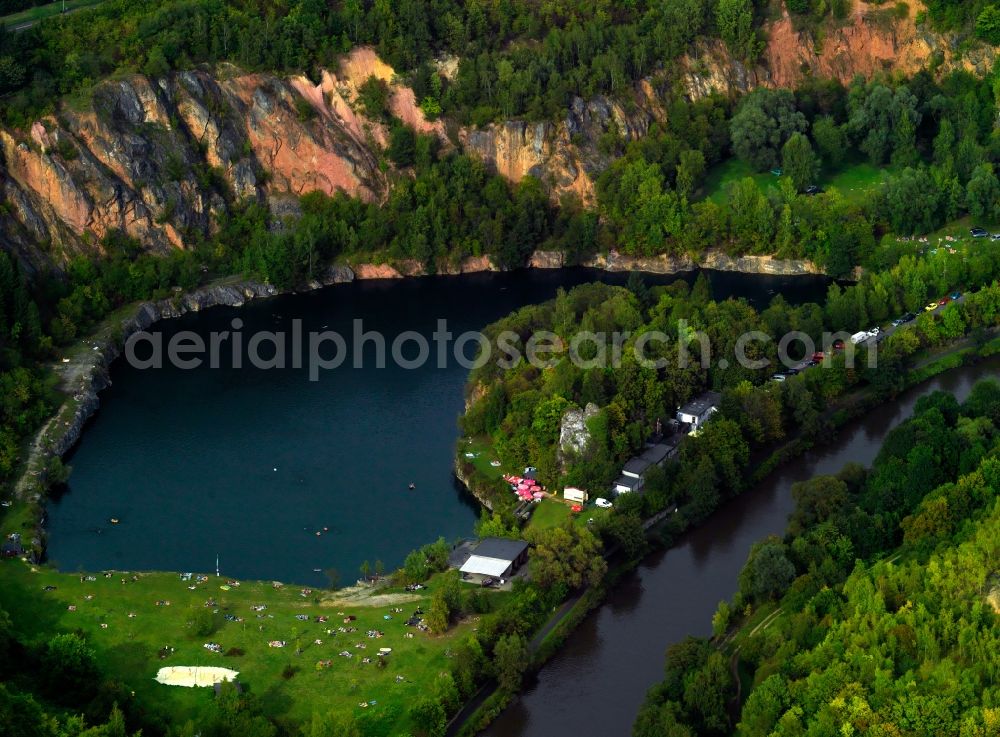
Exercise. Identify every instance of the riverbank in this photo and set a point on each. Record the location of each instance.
(623, 642)
(767, 459)
(268, 469)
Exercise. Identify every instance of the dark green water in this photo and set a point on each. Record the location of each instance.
(186, 459)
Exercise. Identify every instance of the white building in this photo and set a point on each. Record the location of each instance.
(572, 494)
(699, 410)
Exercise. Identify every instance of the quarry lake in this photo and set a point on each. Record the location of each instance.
(248, 465)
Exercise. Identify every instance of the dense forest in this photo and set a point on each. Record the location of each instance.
(886, 595)
(516, 59)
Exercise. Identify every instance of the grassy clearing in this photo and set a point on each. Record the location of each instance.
(482, 455)
(853, 180)
(733, 170)
(130, 646)
(41, 12)
(549, 513)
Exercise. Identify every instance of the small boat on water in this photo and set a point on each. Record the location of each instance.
(114, 520)
(412, 486)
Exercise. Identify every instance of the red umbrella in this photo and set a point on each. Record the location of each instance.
(576, 508)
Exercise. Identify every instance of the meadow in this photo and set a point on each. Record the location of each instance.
(140, 622)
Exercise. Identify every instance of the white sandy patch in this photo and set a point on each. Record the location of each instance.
(194, 675)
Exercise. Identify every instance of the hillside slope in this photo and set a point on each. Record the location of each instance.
(158, 158)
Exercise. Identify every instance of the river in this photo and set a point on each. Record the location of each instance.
(596, 683)
(250, 464)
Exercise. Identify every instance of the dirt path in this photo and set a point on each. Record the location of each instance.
(75, 372)
(366, 596)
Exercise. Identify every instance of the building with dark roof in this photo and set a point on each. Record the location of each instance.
(656, 455)
(626, 484)
(635, 467)
(699, 410)
(496, 557)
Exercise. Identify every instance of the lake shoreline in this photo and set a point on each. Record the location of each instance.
(87, 372)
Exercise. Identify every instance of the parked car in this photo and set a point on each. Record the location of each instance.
(818, 356)
(813, 189)
(898, 321)
(955, 295)
(838, 345)
(792, 372)
(778, 377)
(603, 503)
(931, 307)
(979, 232)
(995, 237)
(943, 301)
(909, 317)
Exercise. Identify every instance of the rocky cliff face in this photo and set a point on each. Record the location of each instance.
(155, 157)
(574, 436)
(565, 156)
(873, 39)
(160, 158)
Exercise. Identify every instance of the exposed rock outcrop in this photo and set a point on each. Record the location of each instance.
(872, 40)
(574, 435)
(667, 264)
(564, 156)
(155, 157)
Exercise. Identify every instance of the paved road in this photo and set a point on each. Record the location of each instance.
(886, 332)
(892, 329)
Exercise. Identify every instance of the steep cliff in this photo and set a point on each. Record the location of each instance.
(160, 158)
(874, 38)
(565, 155)
(157, 158)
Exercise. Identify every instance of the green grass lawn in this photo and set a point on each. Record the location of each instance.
(482, 450)
(954, 237)
(733, 170)
(853, 180)
(41, 12)
(129, 647)
(553, 512)
(549, 513)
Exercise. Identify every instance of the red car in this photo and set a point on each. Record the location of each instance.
(943, 301)
(838, 345)
(818, 356)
